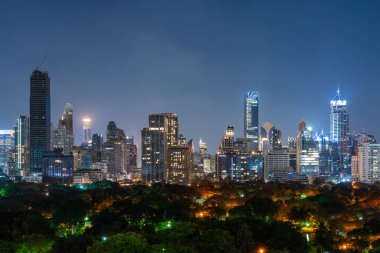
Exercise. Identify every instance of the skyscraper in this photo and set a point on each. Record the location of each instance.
(86, 131)
(39, 118)
(6, 145)
(156, 139)
(339, 130)
(64, 134)
(251, 118)
(307, 152)
(22, 146)
(114, 151)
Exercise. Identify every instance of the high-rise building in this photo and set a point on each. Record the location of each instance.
(57, 167)
(276, 139)
(179, 162)
(114, 151)
(251, 118)
(7, 143)
(156, 139)
(276, 161)
(339, 131)
(325, 154)
(39, 107)
(236, 160)
(131, 153)
(97, 144)
(366, 164)
(64, 134)
(307, 152)
(86, 132)
(22, 146)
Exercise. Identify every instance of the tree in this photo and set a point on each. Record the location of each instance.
(130, 242)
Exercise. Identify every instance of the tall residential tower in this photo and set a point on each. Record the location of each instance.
(251, 118)
(39, 118)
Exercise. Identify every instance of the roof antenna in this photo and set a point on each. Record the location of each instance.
(42, 62)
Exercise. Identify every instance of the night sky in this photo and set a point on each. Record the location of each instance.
(123, 60)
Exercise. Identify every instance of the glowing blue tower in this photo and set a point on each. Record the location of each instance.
(251, 118)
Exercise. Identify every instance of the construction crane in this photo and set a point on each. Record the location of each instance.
(42, 62)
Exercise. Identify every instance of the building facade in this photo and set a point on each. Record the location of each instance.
(57, 167)
(64, 134)
(39, 107)
(339, 132)
(251, 118)
(156, 139)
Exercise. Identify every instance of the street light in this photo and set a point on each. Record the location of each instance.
(261, 250)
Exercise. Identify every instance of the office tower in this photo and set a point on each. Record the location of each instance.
(22, 146)
(339, 131)
(202, 160)
(161, 134)
(97, 144)
(228, 140)
(276, 139)
(83, 158)
(180, 162)
(39, 107)
(276, 161)
(292, 143)
(57, 167)
(7, 143)
(243, 145)
(251, 118)
(236, 161)
(114, 151)
(266, 137)
(86, 132)
(224, 154)
(365, 164)
(64, 134)
(131, 155)
(307, 152)
(325, 156)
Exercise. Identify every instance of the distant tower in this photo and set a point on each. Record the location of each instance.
(86, 131)
(156, 140)
(251, 118)
(22, 146)
(64, 134)
(339, 129)
(39, 118)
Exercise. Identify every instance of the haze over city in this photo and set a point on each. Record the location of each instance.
(122, 61)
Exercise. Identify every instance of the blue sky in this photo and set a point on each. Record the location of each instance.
(123, 60)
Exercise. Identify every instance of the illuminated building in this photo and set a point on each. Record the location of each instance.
(57, 167)
(251, 118)
(7, 143)
(325, 155)
(114, 151)
(235, 161)
(180, 163)
(39, 118)
(83, 158)
(276, 139)
(86, 132)
(339, 131)
(365, 165)
(203, 161)
(307, 152)
(276, 161)
(64, 134)
(270, 138)
(156, 139)
(96, 145)
(131, 155)
(22, 146)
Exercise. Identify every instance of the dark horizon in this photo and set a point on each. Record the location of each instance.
(123, 61)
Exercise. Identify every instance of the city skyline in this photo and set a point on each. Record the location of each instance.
(151, 65)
